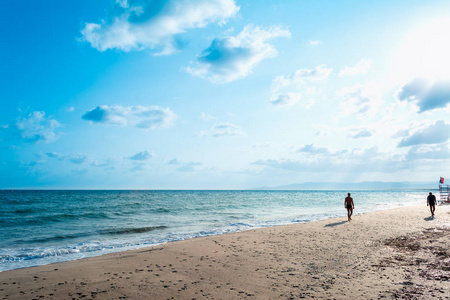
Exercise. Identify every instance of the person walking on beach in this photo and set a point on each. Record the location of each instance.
(431, 201)
(349, 205)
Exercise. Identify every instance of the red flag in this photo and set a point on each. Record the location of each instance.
(441, 181)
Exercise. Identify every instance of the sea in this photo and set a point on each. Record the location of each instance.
(43, 227)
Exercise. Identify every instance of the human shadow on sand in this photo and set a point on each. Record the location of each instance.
(430, 218)
(335, 224)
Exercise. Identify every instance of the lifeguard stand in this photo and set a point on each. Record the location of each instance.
(444, 192)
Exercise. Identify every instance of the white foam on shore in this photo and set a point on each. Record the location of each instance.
(41, 254)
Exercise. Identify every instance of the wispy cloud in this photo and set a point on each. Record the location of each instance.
(137, 168)
(357, 133)
(314, 43)
(311, 149)
(436, 133)
(137, 116)
(188, 167)
(144, 155)
(224, 129)
(206, 117)
(362, 67)
(262, 145)
(107, 163)
(368, 159)
(302, 77)
(401, 133)
(359, 99)
(302, 84)
(75, 158)
(173, 162)
(426, 95)
(36, 127)
(286, 99)
(233, 57)
(145, 24)
(428, 152)
(185, 166)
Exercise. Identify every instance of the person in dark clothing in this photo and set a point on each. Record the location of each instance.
(431, 201)
(350, 206)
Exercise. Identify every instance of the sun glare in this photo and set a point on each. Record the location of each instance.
(424, 52)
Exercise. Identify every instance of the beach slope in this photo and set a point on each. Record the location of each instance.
(387, 254)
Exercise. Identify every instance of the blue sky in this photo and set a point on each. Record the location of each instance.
(222, 94)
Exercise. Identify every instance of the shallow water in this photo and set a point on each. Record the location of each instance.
(41, 227)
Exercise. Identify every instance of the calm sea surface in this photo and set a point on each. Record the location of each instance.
(42, 227)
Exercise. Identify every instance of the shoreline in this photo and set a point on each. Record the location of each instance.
(382, 253)
(205, 233)
(108, 248)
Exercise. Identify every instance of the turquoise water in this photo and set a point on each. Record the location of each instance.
(41, 227)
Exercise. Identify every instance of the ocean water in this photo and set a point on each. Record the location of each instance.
(42, 227)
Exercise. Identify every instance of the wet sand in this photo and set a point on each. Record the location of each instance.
(398, 253)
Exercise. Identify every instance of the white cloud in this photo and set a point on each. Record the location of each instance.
(262, 145)
(188, 167)
(123, 3)
(206, 117)
(107, 164)
(137, 116)
(401, 133)
(224, 129)
(233, 57)
(436, 133)
(357, 133)
(311, 149)
(285, 99)
(362, 67)
(426, 95)
(314, 42)
(322, 160)
(359, 99)
(428, 152)
(54, 154)
(144, 155)
(173, 162)
(137, 168)
(302, 77)
(304, 80)
(138, 25)
(184, 166)
(36, 127)
(75, 158)
(324, 130)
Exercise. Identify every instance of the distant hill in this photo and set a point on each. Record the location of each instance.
(366, 185)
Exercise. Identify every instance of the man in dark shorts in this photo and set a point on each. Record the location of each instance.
(349, 205)
(431, 201)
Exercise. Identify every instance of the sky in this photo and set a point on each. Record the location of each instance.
(222, 94)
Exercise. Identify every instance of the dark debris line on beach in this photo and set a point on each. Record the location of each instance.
(425, 263)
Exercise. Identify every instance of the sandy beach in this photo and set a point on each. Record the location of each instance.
(398, 253)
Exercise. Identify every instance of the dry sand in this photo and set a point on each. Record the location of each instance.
(398, 253)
